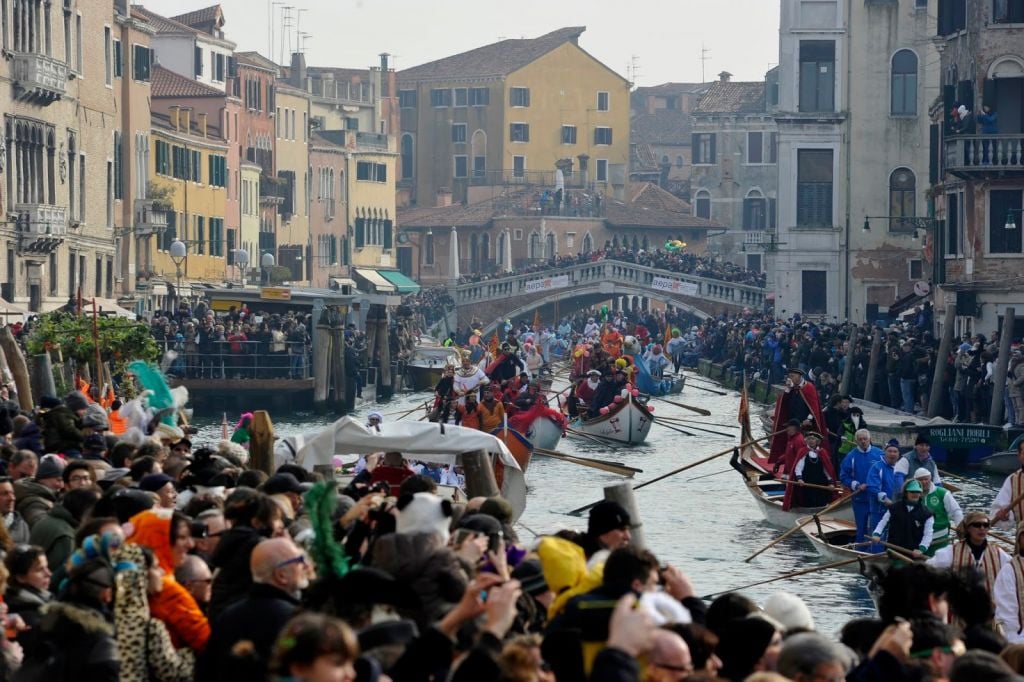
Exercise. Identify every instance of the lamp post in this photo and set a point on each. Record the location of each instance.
(242, 261)
(179, 254)
(267, 263)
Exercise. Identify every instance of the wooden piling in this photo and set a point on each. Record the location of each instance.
(42, 375)
(876, 351)
(19, 368)
(945, 345)
(480, 480)
(322, 351)
(384, 388)
(337, 369)
(261, 445)
(844, 385)
(995, 415)
(623, 494)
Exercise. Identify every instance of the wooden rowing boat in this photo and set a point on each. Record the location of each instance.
(769, 492)
(544, 433)
(833, 538)
(627, 422)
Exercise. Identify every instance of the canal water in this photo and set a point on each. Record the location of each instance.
(705, 524)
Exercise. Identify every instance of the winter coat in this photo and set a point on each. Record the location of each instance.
(144, 642)
(27, 602)
(230, 563)
(33, 499)
(257, 618)
(31, 438)
(174, 605)
(55, 533)
(60, 429)
(17, 528)
(422, 561)
(75, 643)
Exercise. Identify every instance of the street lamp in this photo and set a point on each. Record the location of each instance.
(242, 261)
(267, 262)
(179, 254)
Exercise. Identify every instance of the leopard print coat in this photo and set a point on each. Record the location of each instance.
(147, 654)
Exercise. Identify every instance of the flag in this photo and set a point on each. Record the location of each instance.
(536, 320)
(494, 345)
(668, 332)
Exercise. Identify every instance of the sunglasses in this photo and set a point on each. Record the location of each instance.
(300, 559)
(979, 524)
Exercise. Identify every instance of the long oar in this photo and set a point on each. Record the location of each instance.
(684, 468)
(671, 427)
(600, 440)
(710, 390)
(697, 478)
(802, 484)
(838, 503)
(662, 421)
(698, 410)
(610, 467)
(418, 407)
(793, 574)
(972, 481)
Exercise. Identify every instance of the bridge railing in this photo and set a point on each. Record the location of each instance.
(669, 285)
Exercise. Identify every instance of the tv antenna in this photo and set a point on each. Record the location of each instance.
(704, 52)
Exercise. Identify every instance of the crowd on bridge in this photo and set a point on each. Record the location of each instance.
(679, 262)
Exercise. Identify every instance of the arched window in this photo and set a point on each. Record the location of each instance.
(904, 84)
(536, 247)
(702, 204)
(550, 245)
(664, 160)
(679, 161)
(902, 198)
(478, 150)
(499, 253)
(407, 157)
(755, 211)
(588, 244)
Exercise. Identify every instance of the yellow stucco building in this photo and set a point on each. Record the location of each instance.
(513, 112)
(188, 173)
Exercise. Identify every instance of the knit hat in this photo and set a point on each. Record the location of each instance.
(153, 482)
(96, 416)
(282, 483)
(741, 645)
(76, 401)
(498, 507)
(50, 466)
(481, 523)
(94, 442)
(48, 402)
(921, 439)
(790, 610)
(531, 577)
(605, 516)
(893, 443)
(922, 472)
(423, 513)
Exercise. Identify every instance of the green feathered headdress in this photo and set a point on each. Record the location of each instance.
(321, 501)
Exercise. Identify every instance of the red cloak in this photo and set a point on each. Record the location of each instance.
(793, 491)
(810, 396)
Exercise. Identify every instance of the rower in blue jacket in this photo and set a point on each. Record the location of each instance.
(854, 474)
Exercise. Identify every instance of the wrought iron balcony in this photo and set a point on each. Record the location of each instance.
(985, 155)
(39, 78)
(148, 218)
(273, 191)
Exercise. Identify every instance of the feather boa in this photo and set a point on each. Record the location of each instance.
(321, 501)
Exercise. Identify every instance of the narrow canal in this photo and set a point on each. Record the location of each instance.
(702, 520)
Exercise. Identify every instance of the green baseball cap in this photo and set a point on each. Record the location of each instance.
(913, 487)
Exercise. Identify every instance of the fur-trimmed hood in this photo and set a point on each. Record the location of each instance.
(90, 621)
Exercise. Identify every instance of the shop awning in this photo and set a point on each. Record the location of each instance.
(10, 310)
(339, 284)
(373, 277)
(107, 306)
(401, 282)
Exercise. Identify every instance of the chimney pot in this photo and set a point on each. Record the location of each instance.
(443, 197)
(725, 76)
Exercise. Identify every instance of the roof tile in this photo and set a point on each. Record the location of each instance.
(664, 126)
(199, 16)
(496, 59)
(167, 83)
(727, 97)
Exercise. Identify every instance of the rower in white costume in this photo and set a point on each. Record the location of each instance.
(1013, 489)
(1008, 594)
(373, 421)
(973, 550)
(468, 378)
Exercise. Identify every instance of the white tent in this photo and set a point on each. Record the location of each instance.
(423, 441)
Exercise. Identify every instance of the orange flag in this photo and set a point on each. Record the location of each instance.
(536, 320)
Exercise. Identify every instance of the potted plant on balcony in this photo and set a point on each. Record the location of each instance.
(161, 195)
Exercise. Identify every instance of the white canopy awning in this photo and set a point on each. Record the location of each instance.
(9, 311)
(108, 306)
(376, 279)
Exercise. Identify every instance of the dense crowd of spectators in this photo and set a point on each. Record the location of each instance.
(679, 262)
(763, 347)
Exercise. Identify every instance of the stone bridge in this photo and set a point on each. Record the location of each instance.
(563, 291)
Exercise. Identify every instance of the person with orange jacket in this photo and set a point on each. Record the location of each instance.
(168, 535)
(118, 424)
(491, 412)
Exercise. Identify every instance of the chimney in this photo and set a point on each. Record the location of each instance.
(384, 89)
(443, 197)
(175, 110)
(297, 76)
(185, 119)
(725, 77)
(202, 123)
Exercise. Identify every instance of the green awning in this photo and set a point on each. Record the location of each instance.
(401, 282)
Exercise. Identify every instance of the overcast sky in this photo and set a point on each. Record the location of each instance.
(663, 36)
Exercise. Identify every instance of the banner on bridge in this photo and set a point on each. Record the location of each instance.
(674, 286)
(535, 285)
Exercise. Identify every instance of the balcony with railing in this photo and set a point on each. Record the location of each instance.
(525, 177)
(372, 141)
(41, 227)
(985, 155)
(39, 78)
(149, 219)
(273, 191)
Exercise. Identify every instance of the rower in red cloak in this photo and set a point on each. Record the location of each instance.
(813, 466)
(800, 402)
(795, 444)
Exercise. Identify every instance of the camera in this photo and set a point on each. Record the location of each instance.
(198, 530)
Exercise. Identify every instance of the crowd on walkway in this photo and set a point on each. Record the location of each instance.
(763, 346)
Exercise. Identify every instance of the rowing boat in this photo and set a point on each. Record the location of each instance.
(545, 433)
(427, 365)
(627, 422)
(833, 538)
(769, 492)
